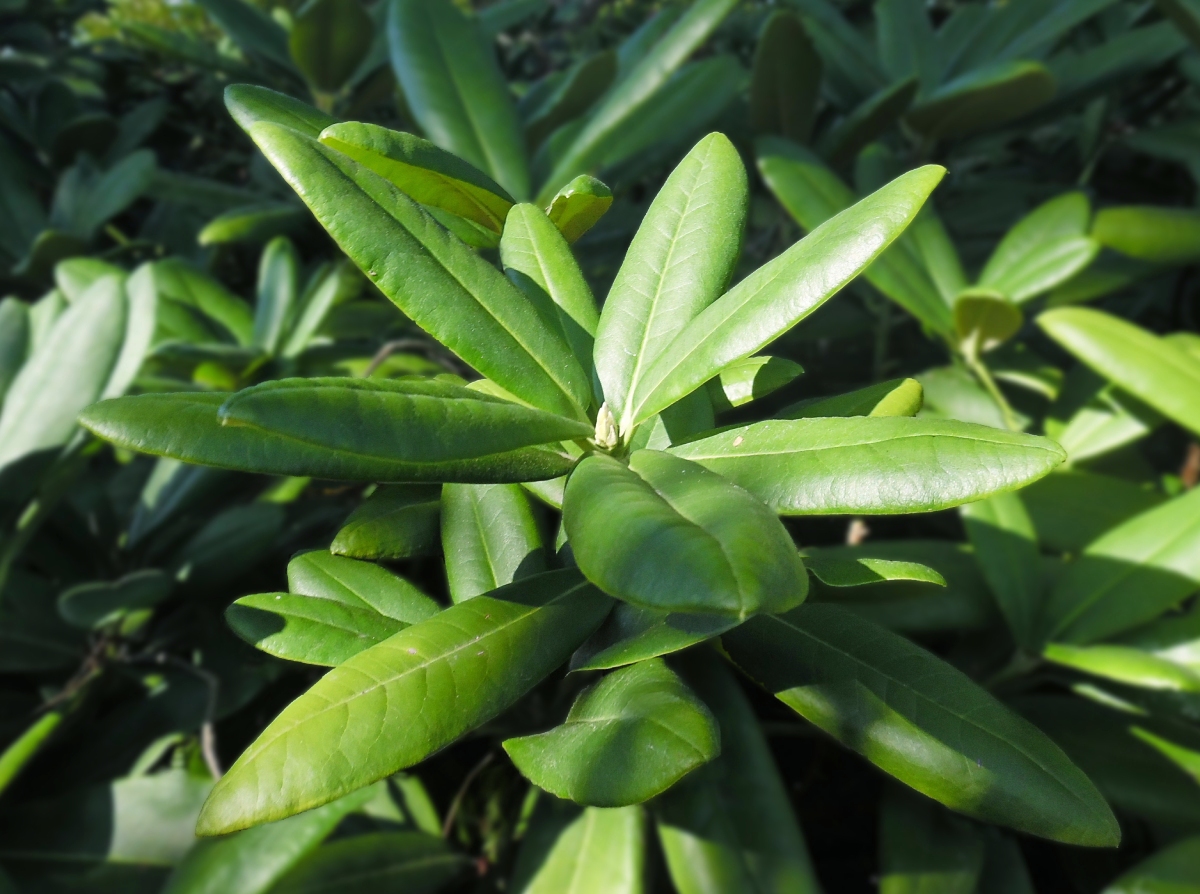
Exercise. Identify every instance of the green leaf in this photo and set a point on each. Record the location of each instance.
(729, 826)
(396, 522)
(536, 256)
(68, 371)
(252, 29)
(1174, 637)
(568, 97)
(869, 120)
(278, 287)
(252, 224)
(876, 465)
(1004, 870)
(665, 534)
(250, 862)
(1043, 249)
(895, 397)
(24, 748)
(983, 99)
(1006, 545)
(442, 285)
(197, 434)
(1152, 369)
(680, 261)
(396, 703)
(421, 170)
(1150, 233)
(922, 721)
(924, 849)
(250, 105)
(1155, 554)
(627, 738)
(490, 538)
(630, 634)
(332, 284)
(1173, 869)
(578, 206)
(100, 603)
(412, 862)
(363, 585)
(74, 276)
(835, 571)
(328, 41)
(1071, 508)
(650, 72)
(308, 629)
(938, 254)
(1123, 664)
(787, 80)
(568, 851)
(1185, 14)
(178, 281)
(750, 379)
(14, 341)
(455, 89)
(984, 320)
(1100, 417)
(779, 294)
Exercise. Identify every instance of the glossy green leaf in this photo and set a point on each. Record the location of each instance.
(250, 862)
(21, 750)
(1100, 417)
(895, 397)
(1187, 759)
(922, 721)
(536, 256)
(626, 739)
(1123, 664)
(412, 862)
(578, 206)
(278, 291)
(729, 826)
(787, 80)
(631, 634)
(490, 537)
(1174, 637)
(877, 465)
(250, 105)
(984, 320)
(14, 341)
(595, 851)
(870, 119)
(328, 41)
(1174, 869)
(363, 585)
(394, 704)
(178, 281)
(442, 285)
(197, 433)
(924, 849)
(101, 602)
(680, 261)
(569, 96)
(984, 98)
(750, 379)
(836, 571)
(938, 253)
(421, 170)
(649, 73)
(1043, 249)
(666, 534)
(253, 223)
(455, 89)
(1155, 555)
(1006, 545)
(1150, 233)
(397, 521)
(308, 629)
(1071, 508)
(782, 292)
(251, 28)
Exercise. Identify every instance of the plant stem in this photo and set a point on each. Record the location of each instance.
(985, 376)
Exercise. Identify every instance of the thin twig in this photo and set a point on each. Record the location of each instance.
(208, 734)
(462, 792)
(412, 344)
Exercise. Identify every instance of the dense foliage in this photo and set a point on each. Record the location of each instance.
(431, 433)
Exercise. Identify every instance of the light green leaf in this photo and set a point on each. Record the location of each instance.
(666, 534)
(578, 206)
(441, 284)
(250, 105)
(1006, 545)
(397, 521)
(455, 89)
(895, 397)
(626, 739)
(396, 703)
(924, 849)
(680, 261)
(252, 224)
(750, 379)
(490, 538)
(938, 253)
(363, 585)
(922, 721)
(1150, 233)
(631, 634)
(1071, 508)
(595, 851)
(74, 276)
(877, 465)
(1173, 869)
(1100, 417)
(1123, 664)
(412, 862)
(835, 571)
(328, 41)
(787, 79)
(983, 99)
(278, 287)
(331, 285)
(984, 320)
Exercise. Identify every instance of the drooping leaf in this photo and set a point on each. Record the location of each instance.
(841, 465)
(750, 379)
(412, 862)
(895, 397)
(787, 79)
(490, 538)
(328, 41)
(630, 634)
(578, 206)
(665, 534)
(392, 705)
(1006, 545)
(396, 522)
(922, 721)
(627, 738)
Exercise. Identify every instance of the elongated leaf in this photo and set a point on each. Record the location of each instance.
(1123, 664)
(1071, 508)
(535, 251)
(922, 721)
(1171, 870)
(836, 571)
(570, 96)
(250, 105)
(878, 465)
(666, 534)
(1101, 417)
(14, 341)
(631, 634)
(278, 291)
(359, 585)
(251, 29)
(196, 434)
(895, 397)
(178, 281)
(1004, 870)
(443, 286)
(455, 89)
(1006, 545)
(328, 41)
(924, 849)
(424, 172)
(412, 862)
(626, 739)
(984, 98)
(253, 224)
(871, 118)
(490, 537)
(393, 705)
(308, 629)
(681, 259)
(1185, 14)
(395, 522)
(1046, 247)
(779, 294)
(578, 206)
(595, 851)
(749, 380)
(787, 80)
(1129, 575)
(331, 285)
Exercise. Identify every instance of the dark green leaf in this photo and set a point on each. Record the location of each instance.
(924, 849)
(250, 105)
(787, 80)
(631, 634)
(1170, 871)
(328, 41)
(868, 121)
(570, 96)
(1006, 545)
(412, 862)
(984, 98)
(14, 341)
(97, 604)
(397, 521)
(252, 29)
(490, 538)
(835, 571)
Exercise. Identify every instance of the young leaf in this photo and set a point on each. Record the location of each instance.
(680, 261)
(396, 703)
(578, 206)
(841, 465)
(1006, 545)
(568, 851)
(412, 862)
(397, 521)
(984, 320)
(250, 105)
(630, 634)
(1123, 664)
(626, 739)
(779, 294)
(924, 848)
(455, 89)
(328, 41)
(278, 287)
(441, 284)
(922, 721)
(490, 538)
(196, 434)
(787, 80)
(665, 534)
(895, 397)
(1150, 233)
